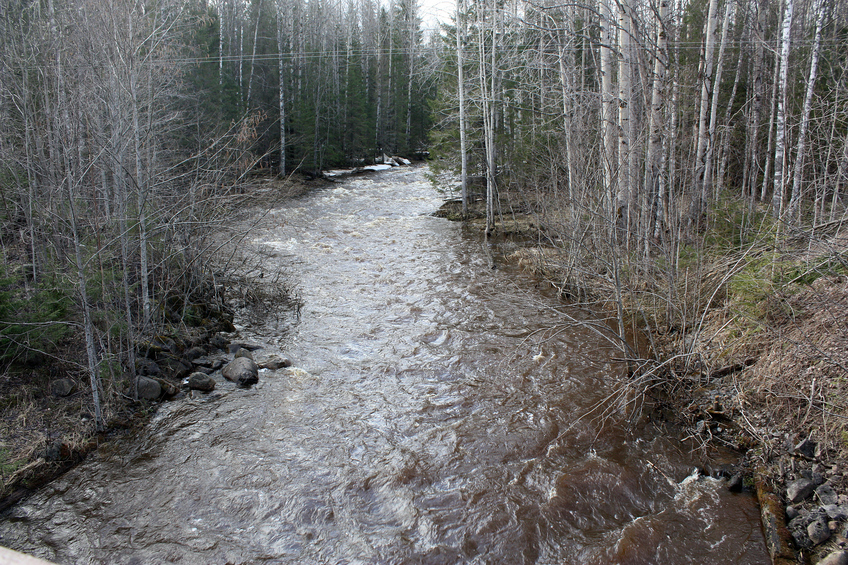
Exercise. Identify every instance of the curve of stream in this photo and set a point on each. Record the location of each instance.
(434, 416)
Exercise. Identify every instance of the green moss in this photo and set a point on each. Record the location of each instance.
(8, 465)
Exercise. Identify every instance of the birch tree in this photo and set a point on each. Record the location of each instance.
(795, 199)
(780, 133)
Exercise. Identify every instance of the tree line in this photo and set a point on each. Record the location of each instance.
(642, 132)
(127, 127)
(648, 112)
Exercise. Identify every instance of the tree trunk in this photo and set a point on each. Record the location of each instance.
(608, 124)
(794, 202)
(624, 195)
(463, 150)
(708, 191)
(653, 172)
(780, 135)
(699, 198)
(282, 91)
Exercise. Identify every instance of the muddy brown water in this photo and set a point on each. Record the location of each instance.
(434, 416)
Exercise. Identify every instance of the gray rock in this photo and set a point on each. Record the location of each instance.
(147, 367)
(234, 347)
(835, 558)
(826, 494)
(202, 382)
(735, 483)
(148, 389)
(168, 388)
(791, 513)
(801, 519)
(799, 490)
(242, 371)
(55, 450)
(242, 352)
(193, 353)
(174, 367)
(818, 530)
(807, 448)
(219, 342)
(836, 511)
(274, 363)
(62, 387)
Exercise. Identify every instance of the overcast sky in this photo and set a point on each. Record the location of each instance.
(434, 11)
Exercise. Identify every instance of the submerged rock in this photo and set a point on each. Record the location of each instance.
(274, 362)
(242, 371)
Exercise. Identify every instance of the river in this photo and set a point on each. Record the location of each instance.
(439, 411)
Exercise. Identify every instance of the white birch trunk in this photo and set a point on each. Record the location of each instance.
(608, 155)
(795, 199)
(463, 149)
(653, 172)
(699, 197)
(780, 134)
(282, 90)
(624, 195)
(709, 158)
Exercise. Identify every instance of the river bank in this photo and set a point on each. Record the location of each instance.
(757, 365)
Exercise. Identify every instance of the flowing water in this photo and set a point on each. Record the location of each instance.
(434, 416)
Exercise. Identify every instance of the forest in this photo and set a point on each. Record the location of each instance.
(671, 153)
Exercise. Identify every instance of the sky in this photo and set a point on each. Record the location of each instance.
(434, 11)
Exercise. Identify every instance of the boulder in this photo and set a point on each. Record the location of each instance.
(274, 362)
(818, 530)
(62, 387)
(159, 344)
(799, 490)
(234, 347)
(175, 367)
(836, 511)
(194, 353)
(168, 389)
(219, 342)
(806, 448)
(826, 494)
(242, 371)
(202, 382)
(148, 389)
(242, 352)
(735, 483)
(146, 367)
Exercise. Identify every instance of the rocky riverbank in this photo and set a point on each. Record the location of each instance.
(760, 368)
